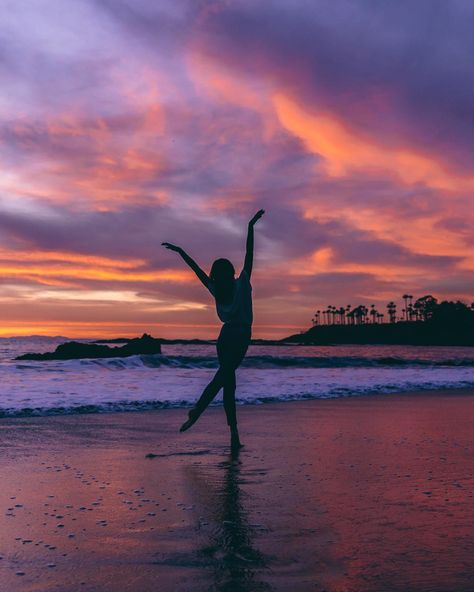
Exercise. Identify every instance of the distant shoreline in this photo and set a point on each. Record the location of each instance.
(416, 333)
(401, 333)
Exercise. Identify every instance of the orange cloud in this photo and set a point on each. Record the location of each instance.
(94, 273)
(322, 261)
(68, 257)
(421, 235)
(60, 269)
(344, 151)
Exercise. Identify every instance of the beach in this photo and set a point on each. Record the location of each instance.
(369, 493)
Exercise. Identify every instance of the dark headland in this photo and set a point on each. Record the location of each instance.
(424, 323)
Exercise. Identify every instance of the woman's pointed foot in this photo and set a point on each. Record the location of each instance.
(192, 418)
(235, 443)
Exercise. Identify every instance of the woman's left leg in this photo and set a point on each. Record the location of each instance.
(205, 399)
(229, 398)
(231, 349)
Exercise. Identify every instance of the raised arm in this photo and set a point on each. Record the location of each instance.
(248, 263)
(202, 275)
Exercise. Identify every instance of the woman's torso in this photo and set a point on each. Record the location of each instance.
(239, 310)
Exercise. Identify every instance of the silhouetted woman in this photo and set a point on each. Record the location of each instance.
(233, 298)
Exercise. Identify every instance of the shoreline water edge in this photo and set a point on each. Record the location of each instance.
(176, 377)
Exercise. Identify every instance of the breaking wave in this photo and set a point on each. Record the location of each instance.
(264, 362)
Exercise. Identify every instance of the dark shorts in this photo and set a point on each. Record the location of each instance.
(232, 344)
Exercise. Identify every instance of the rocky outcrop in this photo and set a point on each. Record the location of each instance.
(73, 350)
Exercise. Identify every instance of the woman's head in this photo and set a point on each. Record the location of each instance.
(222, 270)
(222, 276)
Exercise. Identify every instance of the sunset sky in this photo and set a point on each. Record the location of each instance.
(125, 123)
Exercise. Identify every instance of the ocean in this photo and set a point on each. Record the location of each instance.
(177, 376)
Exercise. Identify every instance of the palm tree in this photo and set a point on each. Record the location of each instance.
(328, 313)
(342, 318)
(360, 312)
(348, 310)
(350, 317)
(405, 310)
(373, 312)
(392, 311)
(365, 312)
(410, 307)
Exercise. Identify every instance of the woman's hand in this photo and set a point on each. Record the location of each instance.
(257, 217)
(172, 247)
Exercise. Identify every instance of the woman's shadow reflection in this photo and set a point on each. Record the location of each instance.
(230, 549)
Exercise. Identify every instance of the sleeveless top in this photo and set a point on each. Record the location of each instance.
(239, 311)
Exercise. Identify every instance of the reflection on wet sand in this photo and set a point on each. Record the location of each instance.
(222, 506)
(359, 495)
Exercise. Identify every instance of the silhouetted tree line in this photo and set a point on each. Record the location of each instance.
(423, 309)
(421, 321)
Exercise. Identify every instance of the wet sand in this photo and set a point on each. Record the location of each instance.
(349, 495)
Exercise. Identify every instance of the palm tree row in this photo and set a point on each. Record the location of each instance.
(420, 310)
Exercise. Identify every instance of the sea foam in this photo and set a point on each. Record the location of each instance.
(176, 378)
